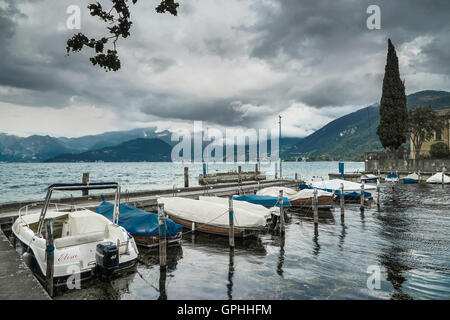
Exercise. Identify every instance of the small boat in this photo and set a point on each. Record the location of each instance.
(85, 243)
(255, 208)
(304, 199)
(275, 191)
(210, 217)
(392, 177)
(437, 178)
(411, 178)
(142, 225)
(352, 190)
(369, 178)
(266, 201)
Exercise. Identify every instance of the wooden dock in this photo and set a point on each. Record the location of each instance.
(147, 200)
(16, 279)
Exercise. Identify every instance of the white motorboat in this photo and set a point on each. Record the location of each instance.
(255, 208)
(437, 178)
(79, 235)
(212, 217)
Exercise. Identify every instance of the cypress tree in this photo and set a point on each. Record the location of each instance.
(393, 127)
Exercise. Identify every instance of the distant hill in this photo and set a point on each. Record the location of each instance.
(30, 149)
(137, 150)
(348, 137)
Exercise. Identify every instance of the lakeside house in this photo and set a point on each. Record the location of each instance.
(442, 135)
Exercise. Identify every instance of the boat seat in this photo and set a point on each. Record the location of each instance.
(79, 239)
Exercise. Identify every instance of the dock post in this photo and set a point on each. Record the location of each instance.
(281, 202)
(49, 255)
(85, 179)
(296, 177)
(256, 169)
(186, 177)
(378, 194)
(316, 207)
(443, 175)
(362, 196)
(231, 221)
(341, 200)
(162, 236)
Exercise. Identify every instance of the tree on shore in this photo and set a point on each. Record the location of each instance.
(423, 122)
(393, 127)
(118, 22)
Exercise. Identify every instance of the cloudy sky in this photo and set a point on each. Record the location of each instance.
(230, 63)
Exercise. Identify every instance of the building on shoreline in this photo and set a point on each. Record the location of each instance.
(442, 135)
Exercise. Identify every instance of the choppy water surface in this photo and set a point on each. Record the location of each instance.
(29, 181)
(408, 239)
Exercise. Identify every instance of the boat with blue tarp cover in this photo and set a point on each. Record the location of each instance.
(411, 178)
(266, 201)
(392, 177)
(141, 224)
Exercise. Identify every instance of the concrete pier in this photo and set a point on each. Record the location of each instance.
(16, 279)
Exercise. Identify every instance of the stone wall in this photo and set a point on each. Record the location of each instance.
(400, 161)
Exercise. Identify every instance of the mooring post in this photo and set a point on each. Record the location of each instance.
(162, 236)
(296, 177)
(256, 168)
(231, 222)
(85, 179)
(341, 199)
(378, 193)
(281, 202)
(316, 207)
(49, 255)
(362, 196)
(443, 175)
(186, 177)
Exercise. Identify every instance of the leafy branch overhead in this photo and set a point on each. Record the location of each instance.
(118, 20)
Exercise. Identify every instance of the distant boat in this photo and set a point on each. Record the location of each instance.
(437, 178)
(411, 178)
(352, 190)
(209, 217)
(392, 177)
(142, 225)
(369, 178)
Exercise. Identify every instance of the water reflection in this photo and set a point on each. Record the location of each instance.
(230, 274)
(316, 245)
(281, 257)
(162, 283)
(343, 233)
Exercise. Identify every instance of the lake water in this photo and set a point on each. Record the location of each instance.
(407, 241)
(29, 181)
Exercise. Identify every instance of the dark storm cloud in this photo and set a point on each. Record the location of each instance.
(319, 52)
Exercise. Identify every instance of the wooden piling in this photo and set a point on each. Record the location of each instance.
(443, 175)
(162, 236)
(378, 193)
(186, 177)
(296, 177)
(341, 199)
(362, 196)
(85, 179)
(256, 169)
(281, 203)
(231, 222)
(316, 207)
(49, 255)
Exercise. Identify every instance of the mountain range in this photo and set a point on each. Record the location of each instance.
(345, 138)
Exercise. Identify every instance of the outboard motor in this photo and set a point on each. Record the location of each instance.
(107, 259)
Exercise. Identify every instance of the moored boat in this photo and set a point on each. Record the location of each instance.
(85, 243)
(142, 225)
(266, 201)
(275, 191)
(392, 177)
(304, 199)
(411, 178)
(437, 178)
(210, 217)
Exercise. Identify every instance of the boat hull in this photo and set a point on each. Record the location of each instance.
(410, 181)
(212, 229)
(324, 202)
